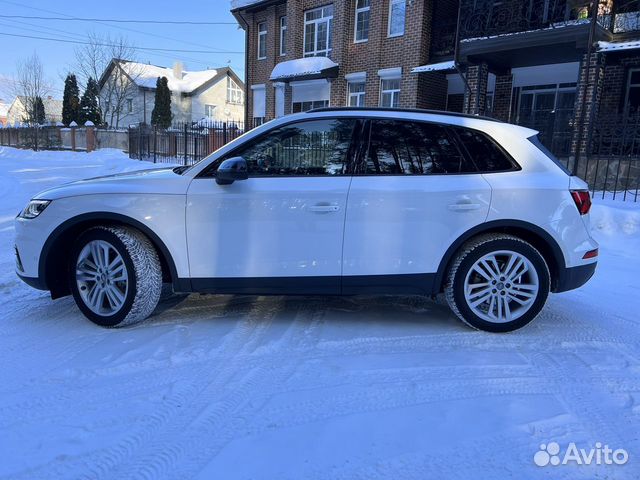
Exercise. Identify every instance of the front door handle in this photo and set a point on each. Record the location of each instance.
(324, 208)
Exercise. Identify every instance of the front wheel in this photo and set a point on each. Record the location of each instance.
(116, 276)
(497, 283)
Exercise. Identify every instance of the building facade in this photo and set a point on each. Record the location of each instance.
(304, 54)
(127, 93)
(567, 68)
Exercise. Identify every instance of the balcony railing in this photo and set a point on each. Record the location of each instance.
(491, 18)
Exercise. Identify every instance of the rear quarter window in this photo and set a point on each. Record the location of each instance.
(484, 151)
(536, 141)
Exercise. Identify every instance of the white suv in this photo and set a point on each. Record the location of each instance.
(328, 202)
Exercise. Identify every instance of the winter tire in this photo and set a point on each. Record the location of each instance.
(497, 283)
(115, 276)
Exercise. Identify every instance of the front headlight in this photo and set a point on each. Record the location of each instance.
(35, 208)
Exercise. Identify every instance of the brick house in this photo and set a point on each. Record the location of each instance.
(368, 50)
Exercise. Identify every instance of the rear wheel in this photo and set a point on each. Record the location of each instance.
(116, 276)
(497, 283)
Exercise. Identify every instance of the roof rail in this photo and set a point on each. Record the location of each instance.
(407, 110)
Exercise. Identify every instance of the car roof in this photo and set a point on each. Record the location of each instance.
(400, 111)
(485, 124)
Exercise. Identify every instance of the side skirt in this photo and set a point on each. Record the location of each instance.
(409, 284)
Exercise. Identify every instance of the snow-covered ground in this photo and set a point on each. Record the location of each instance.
(236, 387)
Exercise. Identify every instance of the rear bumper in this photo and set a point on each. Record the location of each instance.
(574, 277)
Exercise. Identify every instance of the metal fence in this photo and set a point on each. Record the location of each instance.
(34, 137)
(612, 167)
(186, 143)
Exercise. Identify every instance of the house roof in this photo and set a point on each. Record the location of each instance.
(145, 76)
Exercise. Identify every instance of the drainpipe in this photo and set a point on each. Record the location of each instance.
(456, 52)
(583, 100)
(246, 68)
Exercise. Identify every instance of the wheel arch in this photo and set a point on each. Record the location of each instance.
(535, 235)
(53, 267)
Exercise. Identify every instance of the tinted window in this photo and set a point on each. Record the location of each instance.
(317, 147)
(413, 148)
(485, 153)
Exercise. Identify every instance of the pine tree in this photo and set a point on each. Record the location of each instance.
(89, 109)
(39, 115)
(161, 115)
(70, 100)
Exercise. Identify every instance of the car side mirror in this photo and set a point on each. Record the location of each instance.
(231, 170)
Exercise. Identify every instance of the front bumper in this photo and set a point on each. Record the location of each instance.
(574, 277)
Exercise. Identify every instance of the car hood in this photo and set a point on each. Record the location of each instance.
(152, 181)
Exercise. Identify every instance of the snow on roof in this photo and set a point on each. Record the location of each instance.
(145, 75)
(52, 106)
(244, 3)
(616, 46)
(435, 67)
(301, 67)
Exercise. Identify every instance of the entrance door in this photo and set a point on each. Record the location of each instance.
(549, 110)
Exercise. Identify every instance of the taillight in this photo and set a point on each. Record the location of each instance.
(590, 254)
(582, 200)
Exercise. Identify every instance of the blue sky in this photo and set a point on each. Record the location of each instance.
(59, 57)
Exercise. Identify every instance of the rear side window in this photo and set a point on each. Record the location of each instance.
(484, 152)
(413, 148)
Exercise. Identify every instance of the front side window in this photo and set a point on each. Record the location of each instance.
(298, 107)
(234, 92)
(632, 103)
(397, 10)
(484, 152)
(390, 93)
(356, 94)
(283, 36)
(318, 26)
(362, 21)
(315, 147)
(413, 148)
(129, 105)
(262, 40)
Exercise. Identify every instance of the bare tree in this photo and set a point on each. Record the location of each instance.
(112, 62)
(31, 85)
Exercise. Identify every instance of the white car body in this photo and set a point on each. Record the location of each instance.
(326, 235)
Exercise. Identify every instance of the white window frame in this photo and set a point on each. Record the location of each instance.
(316, 22)
(283, 35)
(359, 96)
(209, 106)
(129, 105)
(234, 92)
(395, 92)
(393, 3)
(629, 87)
(359, 11)
(262, 39)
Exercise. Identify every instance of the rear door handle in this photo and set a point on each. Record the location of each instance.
(323, 208)
(464, 207)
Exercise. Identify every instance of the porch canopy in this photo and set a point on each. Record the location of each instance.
(435, 67)
(618, 46)
(309, 68)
